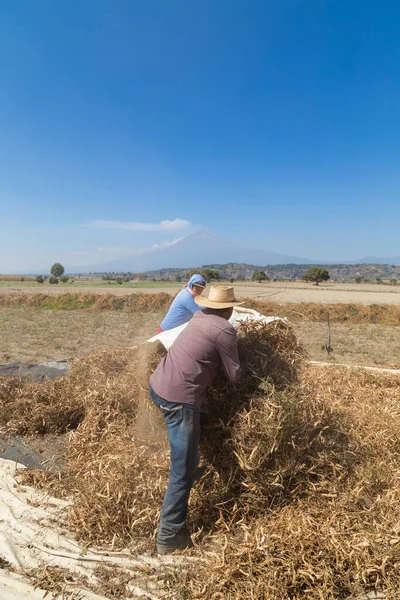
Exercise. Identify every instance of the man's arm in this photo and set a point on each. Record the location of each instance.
(228, 351)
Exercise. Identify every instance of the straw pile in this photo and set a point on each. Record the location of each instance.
(377, 314)
(301, 494)
(16, 278)
(380, 314)
(117, 462)
(33, 408)
(139, 302)
(125, 445)
(337, 535)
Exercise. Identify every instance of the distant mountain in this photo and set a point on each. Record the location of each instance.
(375, 260)
(200, 248)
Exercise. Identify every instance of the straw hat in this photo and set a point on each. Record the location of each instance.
(220, 296)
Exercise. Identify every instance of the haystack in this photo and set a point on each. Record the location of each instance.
(334, 533)
(126, 448)
(300, 497)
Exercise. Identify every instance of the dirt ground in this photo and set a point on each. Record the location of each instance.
(373, 345)
(35, 335)
(296, 291)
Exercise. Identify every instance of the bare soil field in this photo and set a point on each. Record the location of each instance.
(326, 293)
(370, 345)
(35, 335)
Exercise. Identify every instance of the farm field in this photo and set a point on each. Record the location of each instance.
(297, 291)
(35, 335)
(99, 326)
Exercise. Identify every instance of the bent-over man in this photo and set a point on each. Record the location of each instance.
(178, 387)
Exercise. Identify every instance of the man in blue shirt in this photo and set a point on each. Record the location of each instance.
(183, 306)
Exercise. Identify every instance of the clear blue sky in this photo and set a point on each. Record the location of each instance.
(275, 123)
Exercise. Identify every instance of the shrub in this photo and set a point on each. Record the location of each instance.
(260, 276)
(39, 279)
(57, 270)
(53, 279)
(64, 279)
(210, 274)
(316, 274)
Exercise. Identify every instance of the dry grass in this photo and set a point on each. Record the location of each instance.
(376, 345)
(337, 534)
(71, 301)
(383, 314)
(300, 499)
(35, 335)
(16, 278)
(109, 393)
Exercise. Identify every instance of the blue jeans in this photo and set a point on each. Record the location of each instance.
(183, 426)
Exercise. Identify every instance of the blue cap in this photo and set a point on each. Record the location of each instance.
(196, 279)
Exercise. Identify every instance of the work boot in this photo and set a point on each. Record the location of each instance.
(181, 541)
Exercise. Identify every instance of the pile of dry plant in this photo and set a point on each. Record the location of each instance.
(331, 530)
(301, 494)
(355, 313)
(139, 302)
(16, 278)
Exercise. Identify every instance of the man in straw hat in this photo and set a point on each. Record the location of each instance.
(178, 387)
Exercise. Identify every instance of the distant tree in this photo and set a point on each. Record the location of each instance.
(358, 279)
(53, 279)
(232, 279)
(119, 280)
(64, 279)
(39, 279)
(260, 276)
(378, 280)
(178, 278)
(393, 281)
(57, 270)
(210, 274)
(316, 275)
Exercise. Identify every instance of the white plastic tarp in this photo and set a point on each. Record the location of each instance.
(32, 536)
(239, 315)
